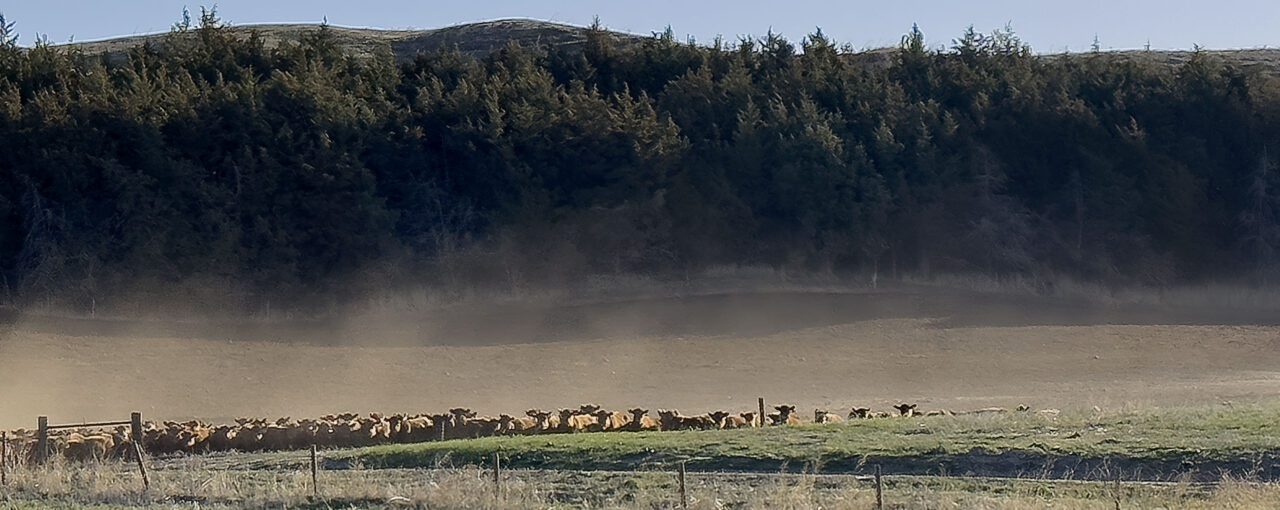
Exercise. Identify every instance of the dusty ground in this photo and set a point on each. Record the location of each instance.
(954, 350)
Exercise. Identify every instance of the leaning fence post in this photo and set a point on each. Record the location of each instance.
(684, 496)
(879, 490)
(761, 416)
(142, 467)
(42, 439)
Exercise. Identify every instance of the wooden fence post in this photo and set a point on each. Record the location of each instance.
(879, 490)
(497, 475)
(761, 417)
(135, 428)
(1117, 489)
(142, 467)
(4, 458)
(684, 496)
(315, 485)
(42, 439)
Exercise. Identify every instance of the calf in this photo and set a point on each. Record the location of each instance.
(822, 416)
(729, 421)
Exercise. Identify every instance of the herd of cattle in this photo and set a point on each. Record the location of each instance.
(351, 430)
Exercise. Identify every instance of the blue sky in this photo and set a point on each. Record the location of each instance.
(1049, 26)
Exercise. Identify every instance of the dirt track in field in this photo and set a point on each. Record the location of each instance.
(952, 350)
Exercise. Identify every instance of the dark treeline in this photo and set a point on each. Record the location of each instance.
(214, 162)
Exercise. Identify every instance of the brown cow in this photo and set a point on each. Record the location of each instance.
(458, 426)
(418, 429)
(487, 426)
(667, 419)
(785, 416)
(222, 438)
(671, 419)
(640, 421)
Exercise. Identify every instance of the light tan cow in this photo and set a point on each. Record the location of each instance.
(87, 447)
(607, 421)
(521, 426)
(573, 421)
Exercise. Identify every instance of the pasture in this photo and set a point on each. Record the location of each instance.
(1189, 458)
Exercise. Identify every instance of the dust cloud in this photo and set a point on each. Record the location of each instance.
(813, 349)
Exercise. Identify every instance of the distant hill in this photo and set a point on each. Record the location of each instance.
(471, 38)
(481, 38)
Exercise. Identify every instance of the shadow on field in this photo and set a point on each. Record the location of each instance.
(742, 314)
(1180, 466)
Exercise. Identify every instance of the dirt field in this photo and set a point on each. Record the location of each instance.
(953, 350)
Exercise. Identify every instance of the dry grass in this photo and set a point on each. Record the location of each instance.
(194, 483)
